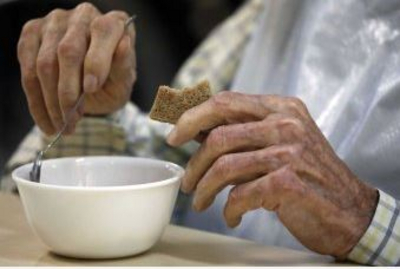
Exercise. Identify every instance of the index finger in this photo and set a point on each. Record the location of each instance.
(221, 109)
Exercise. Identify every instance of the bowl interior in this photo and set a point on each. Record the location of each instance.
(102, 171)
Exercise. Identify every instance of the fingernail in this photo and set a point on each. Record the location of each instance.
(90, 83)
(172, 137)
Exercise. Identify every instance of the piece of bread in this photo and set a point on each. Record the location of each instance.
(171, 103)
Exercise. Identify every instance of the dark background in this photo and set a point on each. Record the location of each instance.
(167, 33)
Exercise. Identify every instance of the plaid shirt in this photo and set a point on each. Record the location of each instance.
(131, 132)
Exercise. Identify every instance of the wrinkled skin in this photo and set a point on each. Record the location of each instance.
(272, 152)
(70, 51)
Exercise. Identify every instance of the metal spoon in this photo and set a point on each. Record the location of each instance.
(34, 174)
(37, 164)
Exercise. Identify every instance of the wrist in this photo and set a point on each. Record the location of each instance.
(363, 213)
(368, 203)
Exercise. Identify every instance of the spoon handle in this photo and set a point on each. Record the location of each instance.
(68, 118)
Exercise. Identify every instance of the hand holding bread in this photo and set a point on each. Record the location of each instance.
(274, 155)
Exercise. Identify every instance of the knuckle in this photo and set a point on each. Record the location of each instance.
(54, 26)
(292, 127)
(267, 159)
(216, 138)
(222, 100)
(69, 51)
(56, 14)
(45, 64)
(296, 105)
(66, 97)
(86, 7)
(32, 26)
(281, 180)
(52, 29)
(30, 29)
(296, 150)
(82, 15)
(102, 25)
(222, 166)
(290, 153)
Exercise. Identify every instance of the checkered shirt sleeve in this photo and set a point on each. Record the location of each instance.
(380, 245)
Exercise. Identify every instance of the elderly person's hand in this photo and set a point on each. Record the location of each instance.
(70, 51)
(272, 152)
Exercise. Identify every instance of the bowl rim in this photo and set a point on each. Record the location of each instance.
(167, 181)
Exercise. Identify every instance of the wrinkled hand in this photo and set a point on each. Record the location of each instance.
(276, 157)
(68, 52)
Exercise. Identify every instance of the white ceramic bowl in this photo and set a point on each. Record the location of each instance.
(100, 207)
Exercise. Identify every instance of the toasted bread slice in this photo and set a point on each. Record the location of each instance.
(171, 103)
